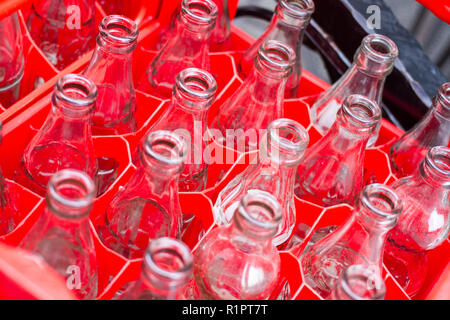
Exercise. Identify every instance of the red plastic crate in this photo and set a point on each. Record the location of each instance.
(22, 121)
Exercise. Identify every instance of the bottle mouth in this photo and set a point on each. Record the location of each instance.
(383, 203)
(298, 9)
(437, 162)
(258, 214)
(444, 95)
(361, 283)
(166, 147)
(276, 57)
(77, 93)
(377, 54)
(168, 262)
(201, 13)
(361, 111)
(119, 31)
(70, 194)
(286, 141)
(197, 88)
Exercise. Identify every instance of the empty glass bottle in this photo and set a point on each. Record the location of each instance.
(187, 47)
(11, 60)
(360, 240)
(239, 261)
(331, 171)
(62, 237)
(358, 282)
(166, 269)
(425, 222)
(111, 70)
(63, 29)
(259, 100)
(187, 115)
(433, 130)
(280, 153)
(288, 25)
(147, 207)
(64, 141)
(373, 62)
(7, 223)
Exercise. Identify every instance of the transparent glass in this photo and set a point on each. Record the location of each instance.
(65, 140)
(12, 61)
(359, 240)
(187, 115)
(259, 100)
(111, 6)
(433, 130)
(425, 223)
(373, 62)
(359, 283)
(166, 269)
(281, 151)
(239, 261)
(110, 69)
(288, 25)
(7, 223)
(62, 237)
(331, 171)
(147, 207)
(188, 47)
(63, 29)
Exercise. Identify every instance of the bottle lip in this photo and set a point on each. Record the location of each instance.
(443, 95)
(81, 198)
(438, 159)
(361, 111)
(174, 149)
(363, 274)
(118, 30)
(277, 56)
(197, 86)
(76, 90)
(298, 9)
(383, 201)
(379, 48)
(175, 249)
(200, 12)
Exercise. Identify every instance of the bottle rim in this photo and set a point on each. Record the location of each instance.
(196, 84)
(361, 111)
(443, 95)
(366, 275)
(175, 146)
(200, 12)
(438, 158)
(299, 9)
(379, 48)
(383, 201)
(84, 88)
(277, 56)
(119, 29)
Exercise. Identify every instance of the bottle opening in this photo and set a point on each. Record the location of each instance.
(118, 30)
(444, 94)
(196, 87)
(361, 111)
(300, 9)
(166, 147)
(438, 159)
(70, 193)
(382, 201)
(276, 56)
(380, 48)
(76, 91)
(200, 12)
(361, 283)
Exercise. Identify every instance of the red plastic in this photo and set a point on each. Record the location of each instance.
(22, 121)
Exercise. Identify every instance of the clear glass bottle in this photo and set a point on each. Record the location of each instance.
(187, 115)
(425, 223)
(62, 237)
(288, 25)
(111, 70)
(259, 100)
(359, 240)
(433, 130)
(12, 61)
(63, 29)
(359, 283)
(373, 62)
(147, 207)
(239, 261)
(331, 171)
(188, 47)
(166, 270)
(281, 151)
(65, 140)
(7, 223)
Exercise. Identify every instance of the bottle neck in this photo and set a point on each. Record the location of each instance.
(435, 168)
(441, 103)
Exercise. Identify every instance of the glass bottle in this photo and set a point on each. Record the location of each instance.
(63, 29)
(359, 240)
(111, 70)
(288, 25)
(373, 62)
(331, 171)
(358, 282)
(166, 269)
(259, 100)
(433, 130)
(65, 140)
(187, 115)
(147, 207)
(187, 48)
(7, 223)
(425, 223)
(281, 150)
(62, 237)
(12, 61)
(239, 261)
